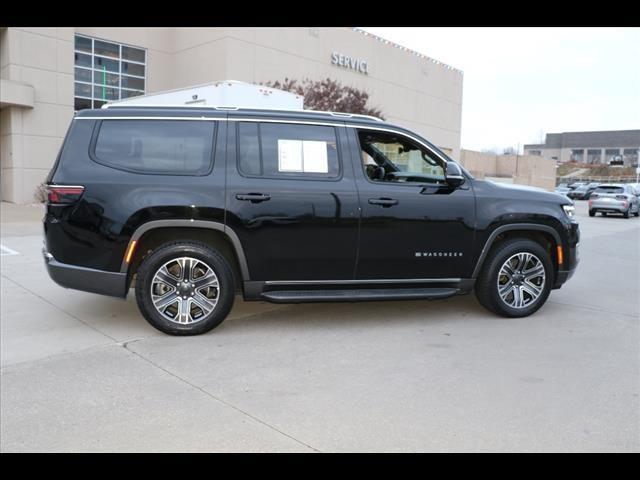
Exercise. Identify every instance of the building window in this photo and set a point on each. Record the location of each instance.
(630, 156)
(577, 155)
(107, 71)
(535, 152)
(611, 154)
(594, 155)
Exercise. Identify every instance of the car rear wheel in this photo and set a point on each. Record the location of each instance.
(516, 278)
(185, 288)
(592, 213)
(626, 213)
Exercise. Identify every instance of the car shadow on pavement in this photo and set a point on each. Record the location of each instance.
(124, 318)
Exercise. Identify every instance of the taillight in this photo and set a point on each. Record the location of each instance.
(63, 195)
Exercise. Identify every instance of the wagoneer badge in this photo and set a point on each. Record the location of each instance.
(438, 254)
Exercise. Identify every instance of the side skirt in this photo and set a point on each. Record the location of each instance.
(355, 290)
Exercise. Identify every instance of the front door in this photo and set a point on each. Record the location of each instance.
(291, 201)
(413, 226)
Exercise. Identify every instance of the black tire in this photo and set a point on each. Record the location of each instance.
(202, 252)
(592, 213)
(486, 284)
(626, 213)
(637, 214)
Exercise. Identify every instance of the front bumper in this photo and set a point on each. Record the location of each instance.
(571, 251)
(86, 279)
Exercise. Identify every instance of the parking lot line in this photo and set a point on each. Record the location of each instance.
(7, 251)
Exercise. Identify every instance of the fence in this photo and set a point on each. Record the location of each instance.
(596, 179)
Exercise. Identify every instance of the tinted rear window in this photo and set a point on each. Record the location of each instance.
(179, 147)
(609, 190)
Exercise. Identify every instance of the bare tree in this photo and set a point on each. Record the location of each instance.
(328, 95)
(493, 150)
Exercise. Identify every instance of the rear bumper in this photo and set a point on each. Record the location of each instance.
(86, 279)
(608, 206)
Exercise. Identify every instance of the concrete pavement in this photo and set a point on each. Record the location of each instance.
(82, 372)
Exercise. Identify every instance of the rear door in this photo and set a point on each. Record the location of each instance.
(291, 199)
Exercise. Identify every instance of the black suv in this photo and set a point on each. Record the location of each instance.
(192, 204)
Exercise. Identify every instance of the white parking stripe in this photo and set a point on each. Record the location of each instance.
(7, 251)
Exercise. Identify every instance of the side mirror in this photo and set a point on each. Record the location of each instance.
(453, 175)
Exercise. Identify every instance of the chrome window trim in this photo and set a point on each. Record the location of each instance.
(210, 119)
(270, 120)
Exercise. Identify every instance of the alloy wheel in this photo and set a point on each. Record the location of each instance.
(185, 290)
(521, 280)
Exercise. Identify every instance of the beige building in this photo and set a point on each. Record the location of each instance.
(533, 170)
(599, 147)
(47, 73)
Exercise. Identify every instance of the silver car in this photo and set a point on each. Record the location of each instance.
(614, 198)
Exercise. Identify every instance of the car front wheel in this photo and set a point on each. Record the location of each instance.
(185, 288)
(516, 278)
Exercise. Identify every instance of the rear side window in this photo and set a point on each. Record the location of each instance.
(178, 147)
(281, 150)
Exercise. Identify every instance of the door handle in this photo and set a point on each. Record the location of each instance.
(385, 202)
(253, 197)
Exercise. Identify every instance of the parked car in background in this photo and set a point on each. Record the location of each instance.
(614, 198)
(575, 185)
(583, 192)
(563, 190)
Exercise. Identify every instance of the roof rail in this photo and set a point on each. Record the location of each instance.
(234, 108)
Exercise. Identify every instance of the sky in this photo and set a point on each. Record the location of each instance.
(520, 83)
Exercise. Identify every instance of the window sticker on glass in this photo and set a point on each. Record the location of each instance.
(315, 156)
(289, 155)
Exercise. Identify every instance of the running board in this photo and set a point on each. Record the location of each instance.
(359, 295)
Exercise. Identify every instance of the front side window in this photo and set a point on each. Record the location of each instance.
(390, 157)
(106, 71)
(283, 150)
(179, 147)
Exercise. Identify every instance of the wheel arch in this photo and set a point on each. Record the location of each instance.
(151, 234)
(545, 235)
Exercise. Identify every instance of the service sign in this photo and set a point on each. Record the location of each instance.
(351, 63)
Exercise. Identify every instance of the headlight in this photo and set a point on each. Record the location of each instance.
(570, 210)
